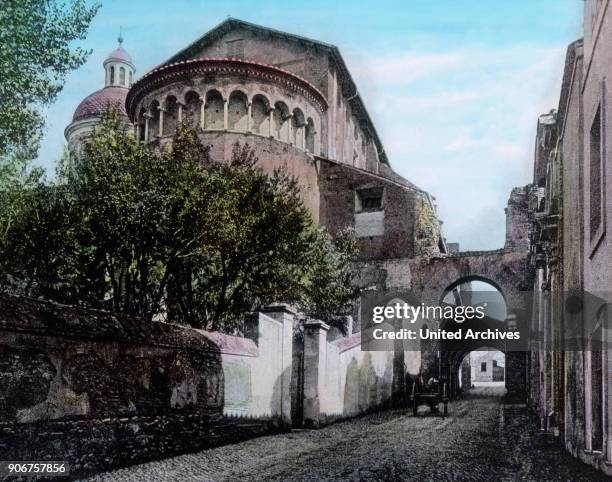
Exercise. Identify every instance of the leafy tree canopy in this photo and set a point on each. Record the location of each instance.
(172, 233)
(36, 53)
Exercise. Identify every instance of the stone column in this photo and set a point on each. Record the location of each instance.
(270, 122)
(180, 112)
(315, 341)
(286, 316)
(290, 129)
(203, 114)
(161, 122)
(225, 114)
(137, 130)
(249, 113)
(146, 128)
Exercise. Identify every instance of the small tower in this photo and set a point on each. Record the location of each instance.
(119, 67)
(119, 72)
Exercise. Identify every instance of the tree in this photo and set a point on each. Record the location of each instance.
(36, 54)
(173, 233)
(330, 292)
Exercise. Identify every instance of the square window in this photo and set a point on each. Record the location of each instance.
(483, 367)
(369, 200)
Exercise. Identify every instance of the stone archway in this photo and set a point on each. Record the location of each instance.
(508, 272)
(425, 280)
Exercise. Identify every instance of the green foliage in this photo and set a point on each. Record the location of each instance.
(172, 233)
(330, 290)
(36, 54)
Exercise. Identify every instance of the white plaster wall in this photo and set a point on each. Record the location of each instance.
(257, 378)
(370, 223)
(355, 381)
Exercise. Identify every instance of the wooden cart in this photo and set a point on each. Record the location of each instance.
(431, 394)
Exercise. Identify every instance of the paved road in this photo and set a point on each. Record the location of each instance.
(481, 440)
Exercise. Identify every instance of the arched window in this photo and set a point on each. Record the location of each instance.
(153, 120)
(297, 124)
(213, 110)
(310, 135)
(191, 111)
(112, 75)
(238, 109)
(122, 76)
(281, 126)
(260, 108)
(131, 77)
(170, 115)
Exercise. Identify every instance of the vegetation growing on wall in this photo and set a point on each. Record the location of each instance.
(427, 228)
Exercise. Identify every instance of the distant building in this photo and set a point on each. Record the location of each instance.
(487, 366)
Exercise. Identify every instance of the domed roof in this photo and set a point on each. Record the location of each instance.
(95, 105)
(119, 54)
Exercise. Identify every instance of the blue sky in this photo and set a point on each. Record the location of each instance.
(453, 86)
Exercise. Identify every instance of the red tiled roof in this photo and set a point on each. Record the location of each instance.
(95, 105)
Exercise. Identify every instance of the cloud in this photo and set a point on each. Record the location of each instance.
(407, 66)
(462, 143)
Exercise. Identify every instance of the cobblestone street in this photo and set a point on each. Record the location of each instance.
(483, 439)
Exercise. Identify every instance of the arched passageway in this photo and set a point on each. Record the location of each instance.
(469, 362)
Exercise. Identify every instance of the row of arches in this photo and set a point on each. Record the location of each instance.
(236, 112)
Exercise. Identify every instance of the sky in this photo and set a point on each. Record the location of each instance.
(454, 87)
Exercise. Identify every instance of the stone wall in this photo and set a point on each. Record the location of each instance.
(272, 154)
(518, 222)
(402, 225)
(100, 391)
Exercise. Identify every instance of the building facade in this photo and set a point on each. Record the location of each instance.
(487, 366)
(570, 361)
(293, 100)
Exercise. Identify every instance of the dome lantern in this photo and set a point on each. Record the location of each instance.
(118, 66)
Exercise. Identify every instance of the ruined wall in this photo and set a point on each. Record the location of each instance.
(518, 222)
(403, 225)
(101, 391)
